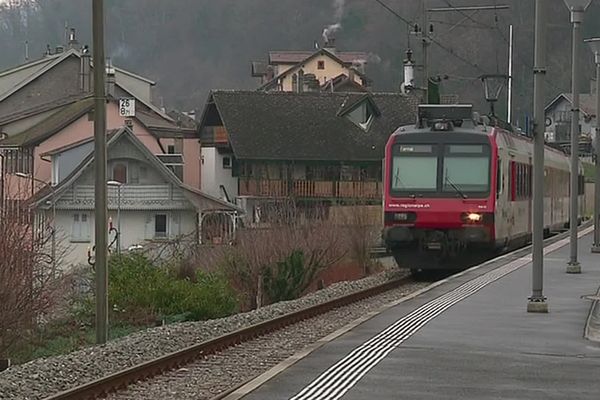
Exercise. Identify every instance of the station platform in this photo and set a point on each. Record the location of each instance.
(467, 337)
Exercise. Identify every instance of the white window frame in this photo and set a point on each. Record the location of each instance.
(80, 229)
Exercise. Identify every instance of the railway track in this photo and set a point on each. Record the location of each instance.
(122, 379)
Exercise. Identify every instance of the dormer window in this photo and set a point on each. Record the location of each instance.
(362, 115)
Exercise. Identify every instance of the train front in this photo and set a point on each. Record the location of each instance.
(438, 201)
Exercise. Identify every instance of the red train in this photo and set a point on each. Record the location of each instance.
(456, 187)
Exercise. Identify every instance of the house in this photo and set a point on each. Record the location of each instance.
(25, 169)
(322, 69)
(47, 104)
(558, 116)
(314, 147)
(148, 204)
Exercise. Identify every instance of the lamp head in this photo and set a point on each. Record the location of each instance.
(577, 5)
(594, 44)
(114, 183)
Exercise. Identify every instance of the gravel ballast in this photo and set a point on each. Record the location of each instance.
(43, 377)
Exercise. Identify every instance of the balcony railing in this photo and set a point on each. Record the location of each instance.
(310, 189)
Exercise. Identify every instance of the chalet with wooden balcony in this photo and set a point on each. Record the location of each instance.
(558, 117)
(313, 147)
(147, 203)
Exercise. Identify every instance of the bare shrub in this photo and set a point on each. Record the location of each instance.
(28, 284)
(258, 251)
(358, 223)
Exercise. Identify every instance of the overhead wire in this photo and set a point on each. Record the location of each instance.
(520, 58)
(433, 40)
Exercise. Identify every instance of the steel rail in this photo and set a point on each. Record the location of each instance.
(121, 379)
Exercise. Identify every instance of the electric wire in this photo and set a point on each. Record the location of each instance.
(433, 40)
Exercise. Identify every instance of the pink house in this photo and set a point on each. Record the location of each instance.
(46, 104)
(23, 153)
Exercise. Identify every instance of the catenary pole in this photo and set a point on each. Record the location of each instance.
(573, 266)
(425, 43)
(101, 228)
(537, 301)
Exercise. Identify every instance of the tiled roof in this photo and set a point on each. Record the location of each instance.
(307, 126)
(587, 102)
(326, 52)
(49, 126)
(294, 57)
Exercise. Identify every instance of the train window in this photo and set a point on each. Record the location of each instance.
(520, 181)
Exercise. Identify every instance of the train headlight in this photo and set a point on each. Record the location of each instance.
(474, 217)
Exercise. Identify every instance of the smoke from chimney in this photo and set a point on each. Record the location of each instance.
(338, 6)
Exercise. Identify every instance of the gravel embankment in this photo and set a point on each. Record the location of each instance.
(220, 372)
(43, 377)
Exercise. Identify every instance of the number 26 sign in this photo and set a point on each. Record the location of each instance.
(127, 107)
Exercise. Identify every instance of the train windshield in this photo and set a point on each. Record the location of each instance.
(466, 168)
(415, 168)
(441, 170)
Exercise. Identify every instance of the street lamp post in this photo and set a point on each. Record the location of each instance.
(118, 185)
(577, 9)
(595, 47)
(53, 244)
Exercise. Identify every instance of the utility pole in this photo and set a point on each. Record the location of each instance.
(100, 196)
(537, 302)
(510, 80)
(425, 43)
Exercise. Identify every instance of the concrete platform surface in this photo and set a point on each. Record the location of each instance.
(467, 338)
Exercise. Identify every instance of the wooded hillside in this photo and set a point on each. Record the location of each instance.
(192, 46)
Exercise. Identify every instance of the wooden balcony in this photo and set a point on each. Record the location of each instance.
(310, 189)
(215, 135)
(221, 136)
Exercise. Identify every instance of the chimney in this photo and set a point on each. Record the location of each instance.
(270, 73)
(295, 83)
(330, 43)
(59, 49)
(73, 42)
(359, 66)
(110, 78)
(409, 71)
(84, 71)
